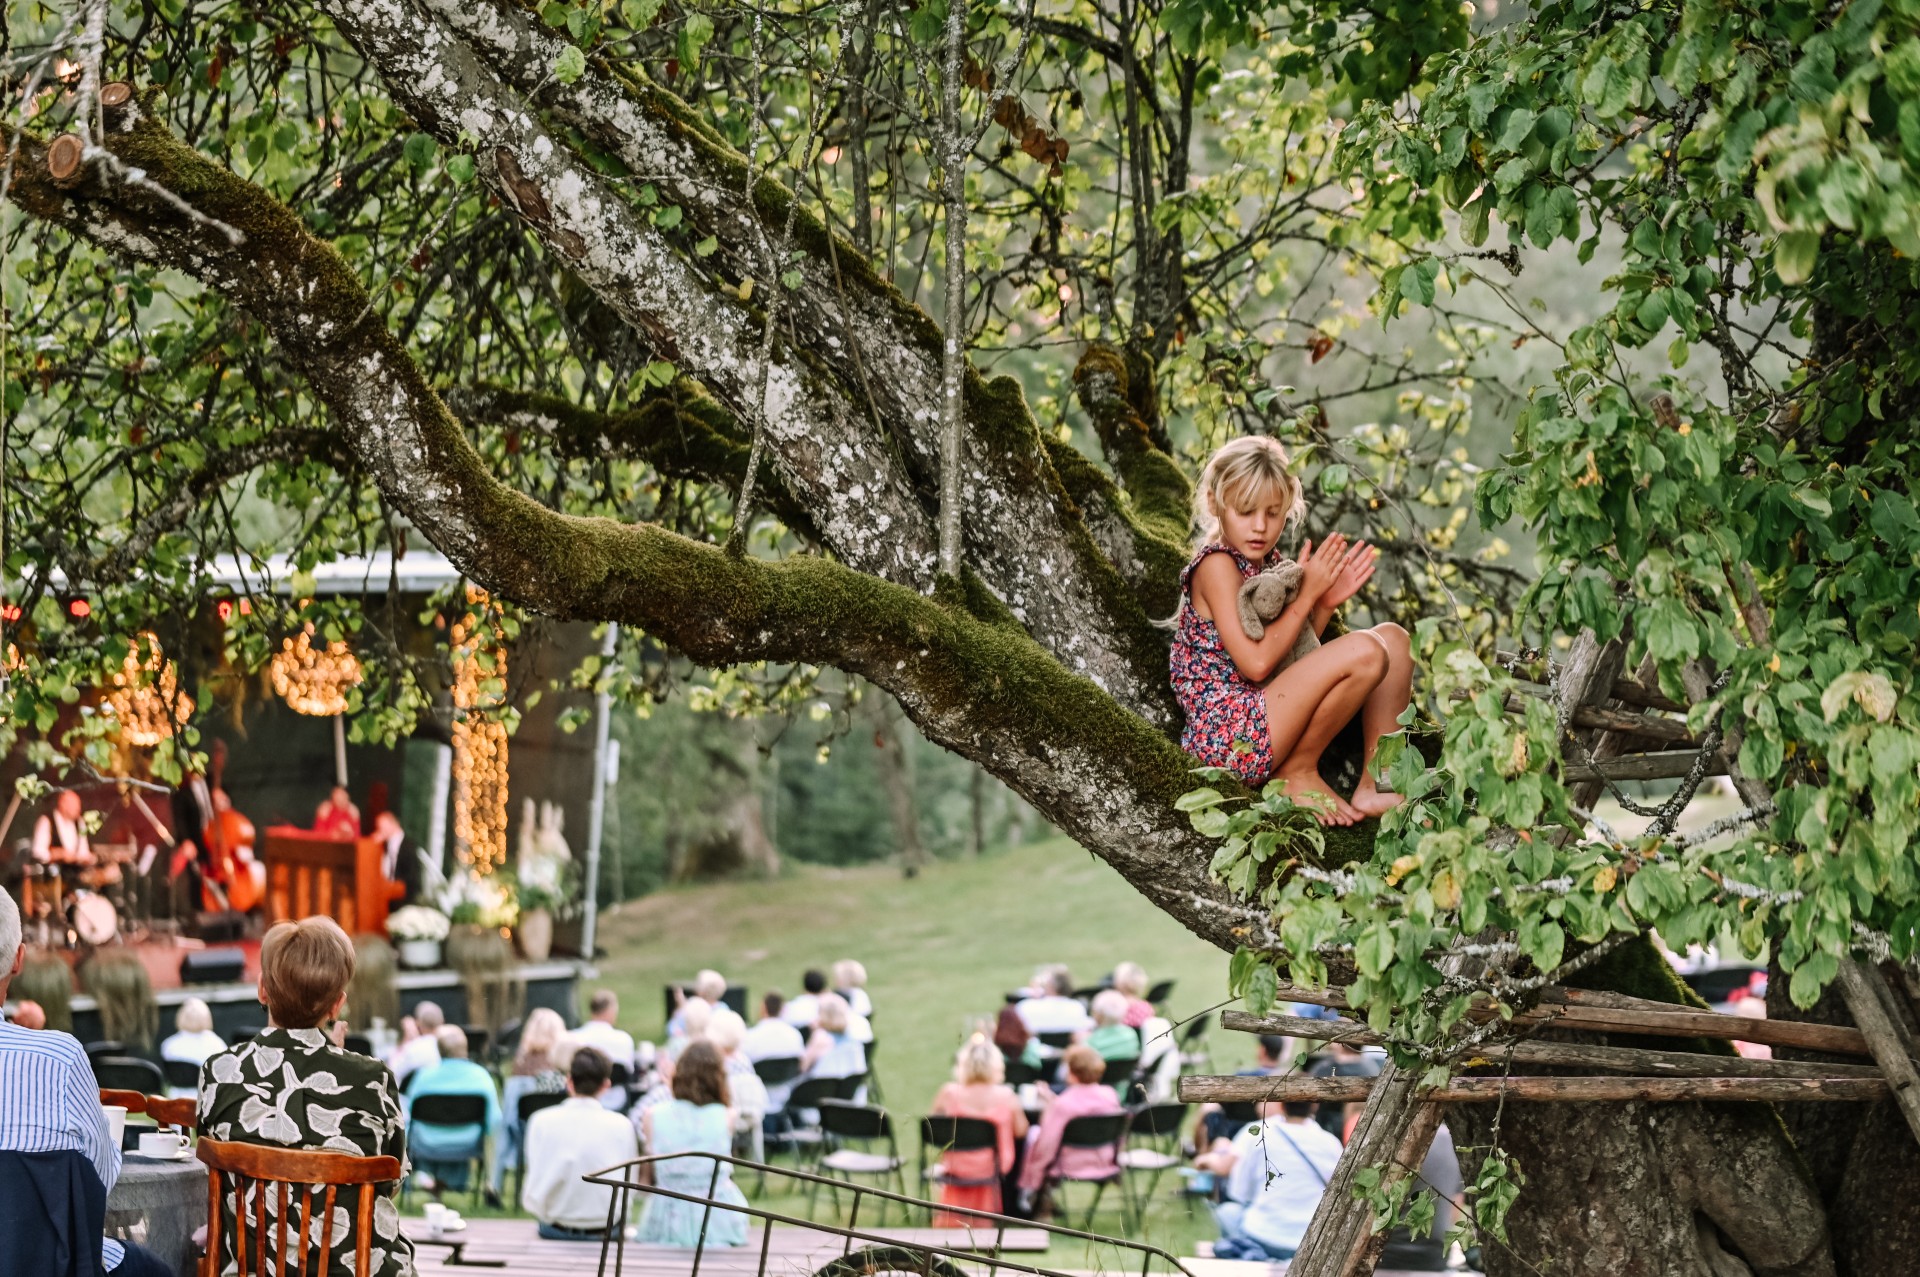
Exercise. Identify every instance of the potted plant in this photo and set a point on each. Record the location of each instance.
(419, 931)
(548, 881)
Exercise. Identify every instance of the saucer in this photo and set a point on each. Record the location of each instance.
(184, 1155)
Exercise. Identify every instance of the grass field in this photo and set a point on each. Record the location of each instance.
(940, 951)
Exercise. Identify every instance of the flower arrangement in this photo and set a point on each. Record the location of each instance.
(548, 877)
(418, 922)
(471, 899)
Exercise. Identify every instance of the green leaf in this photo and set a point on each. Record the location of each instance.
(570, 65)
(420, 149)
(639, 14)
(460, 168)
(1794, 255)
(1199, 800)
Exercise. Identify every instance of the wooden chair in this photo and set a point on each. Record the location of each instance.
(183, 1113)
(254, 1169)
(133, 1102)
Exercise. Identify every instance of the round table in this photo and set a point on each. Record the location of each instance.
(159, 1203)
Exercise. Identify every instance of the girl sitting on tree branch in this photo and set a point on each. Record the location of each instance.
(1247, 709)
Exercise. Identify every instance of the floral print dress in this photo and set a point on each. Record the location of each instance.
(1226, 714)
(291, 1088)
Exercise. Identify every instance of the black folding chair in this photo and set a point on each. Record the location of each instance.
(843, 1122)
(808, 1095)
(1019, 1072)
(1106, 1131)
(620, 1081)
(358, 1043)
(1192, 1044)
(477, 1038)
(456, 1110)
(945, 1135)
(778, 1070)
(127, 1073)
(524, 1108)
(872, 1078)
(182, 1075)
(245, 1033)
(1122, 1076)
(1159, 993)
(99, 1050)
(1059, 1041)
(1153, 1144)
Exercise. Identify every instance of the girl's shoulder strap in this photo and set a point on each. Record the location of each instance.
(1247, 566)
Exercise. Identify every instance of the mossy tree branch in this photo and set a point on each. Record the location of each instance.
(678, 429)
(1024, 533)
(974, 682)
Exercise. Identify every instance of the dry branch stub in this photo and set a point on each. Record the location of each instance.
(1545, 1090)
(115, 93)
(65, 158)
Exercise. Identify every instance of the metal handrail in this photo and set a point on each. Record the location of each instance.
(618, 1178)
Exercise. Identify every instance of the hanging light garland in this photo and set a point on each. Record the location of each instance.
(314, 680)
(479, 741)
(145, 700)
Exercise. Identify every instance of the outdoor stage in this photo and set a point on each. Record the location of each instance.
(235, 1003)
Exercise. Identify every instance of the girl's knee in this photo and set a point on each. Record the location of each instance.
(1367, 653)
(1398, 641)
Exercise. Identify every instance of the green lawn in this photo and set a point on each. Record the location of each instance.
(940, 951)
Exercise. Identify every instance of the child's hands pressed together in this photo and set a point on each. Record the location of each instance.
(1322, 567)
(1355, 570)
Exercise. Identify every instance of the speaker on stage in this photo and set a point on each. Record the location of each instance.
(213, 966)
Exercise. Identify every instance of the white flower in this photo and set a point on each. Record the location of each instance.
(417, 922)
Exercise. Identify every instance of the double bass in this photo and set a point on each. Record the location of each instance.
(231, 866)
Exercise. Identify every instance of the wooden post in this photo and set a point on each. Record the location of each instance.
(1538, 1089)
(1566, 1055)
(1872, 1005)
(115, 93)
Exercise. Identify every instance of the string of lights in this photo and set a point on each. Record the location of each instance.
(479, 740)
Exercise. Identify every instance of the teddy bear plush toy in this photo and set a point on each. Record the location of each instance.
(1265, 596)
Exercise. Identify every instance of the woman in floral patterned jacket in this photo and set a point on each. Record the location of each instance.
(293, 1088)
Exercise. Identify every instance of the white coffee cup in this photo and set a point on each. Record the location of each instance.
(436, 1218)
(116, 1122)
(162, 1144)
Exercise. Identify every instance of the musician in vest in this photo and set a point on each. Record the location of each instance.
(60, 835)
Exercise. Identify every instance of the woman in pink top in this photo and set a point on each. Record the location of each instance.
(1084, 1097)
(1131, 979)
(978, 1090)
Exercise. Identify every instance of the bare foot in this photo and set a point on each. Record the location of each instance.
(1369, 801)
(1309, 791)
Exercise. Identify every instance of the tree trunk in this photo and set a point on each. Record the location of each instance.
(894, 763)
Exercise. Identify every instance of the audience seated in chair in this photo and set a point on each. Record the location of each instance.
(1084, 1097)
(535, 1072)
(565, 1143)
(749, 1094)
(710, 987)
(832, 1050)
(695, 1120)
(441, 1153)
(974, 1178)
(1214, 1124)
(193, 1040)
(771, 1037)
(1110, 1035)
(1275, 1172)
(1130, 979)
(1052, 1008)
(850, 982)
(418, 1046)
(55, 1146)
(319, 1096)
(600, 1031)
(802, 1011)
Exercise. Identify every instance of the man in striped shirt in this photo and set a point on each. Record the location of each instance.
(49, 1101)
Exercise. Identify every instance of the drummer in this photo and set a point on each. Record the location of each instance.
(59, 836)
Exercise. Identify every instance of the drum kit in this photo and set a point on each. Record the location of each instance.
(79, 906)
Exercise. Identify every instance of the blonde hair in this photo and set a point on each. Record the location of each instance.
(1131, 979)
(727, 1030)
(695, 1016)
(1236, 476)
(979, 1061)
(849, 974)
(835, 1015)
(539, 1041)
(710, 985)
